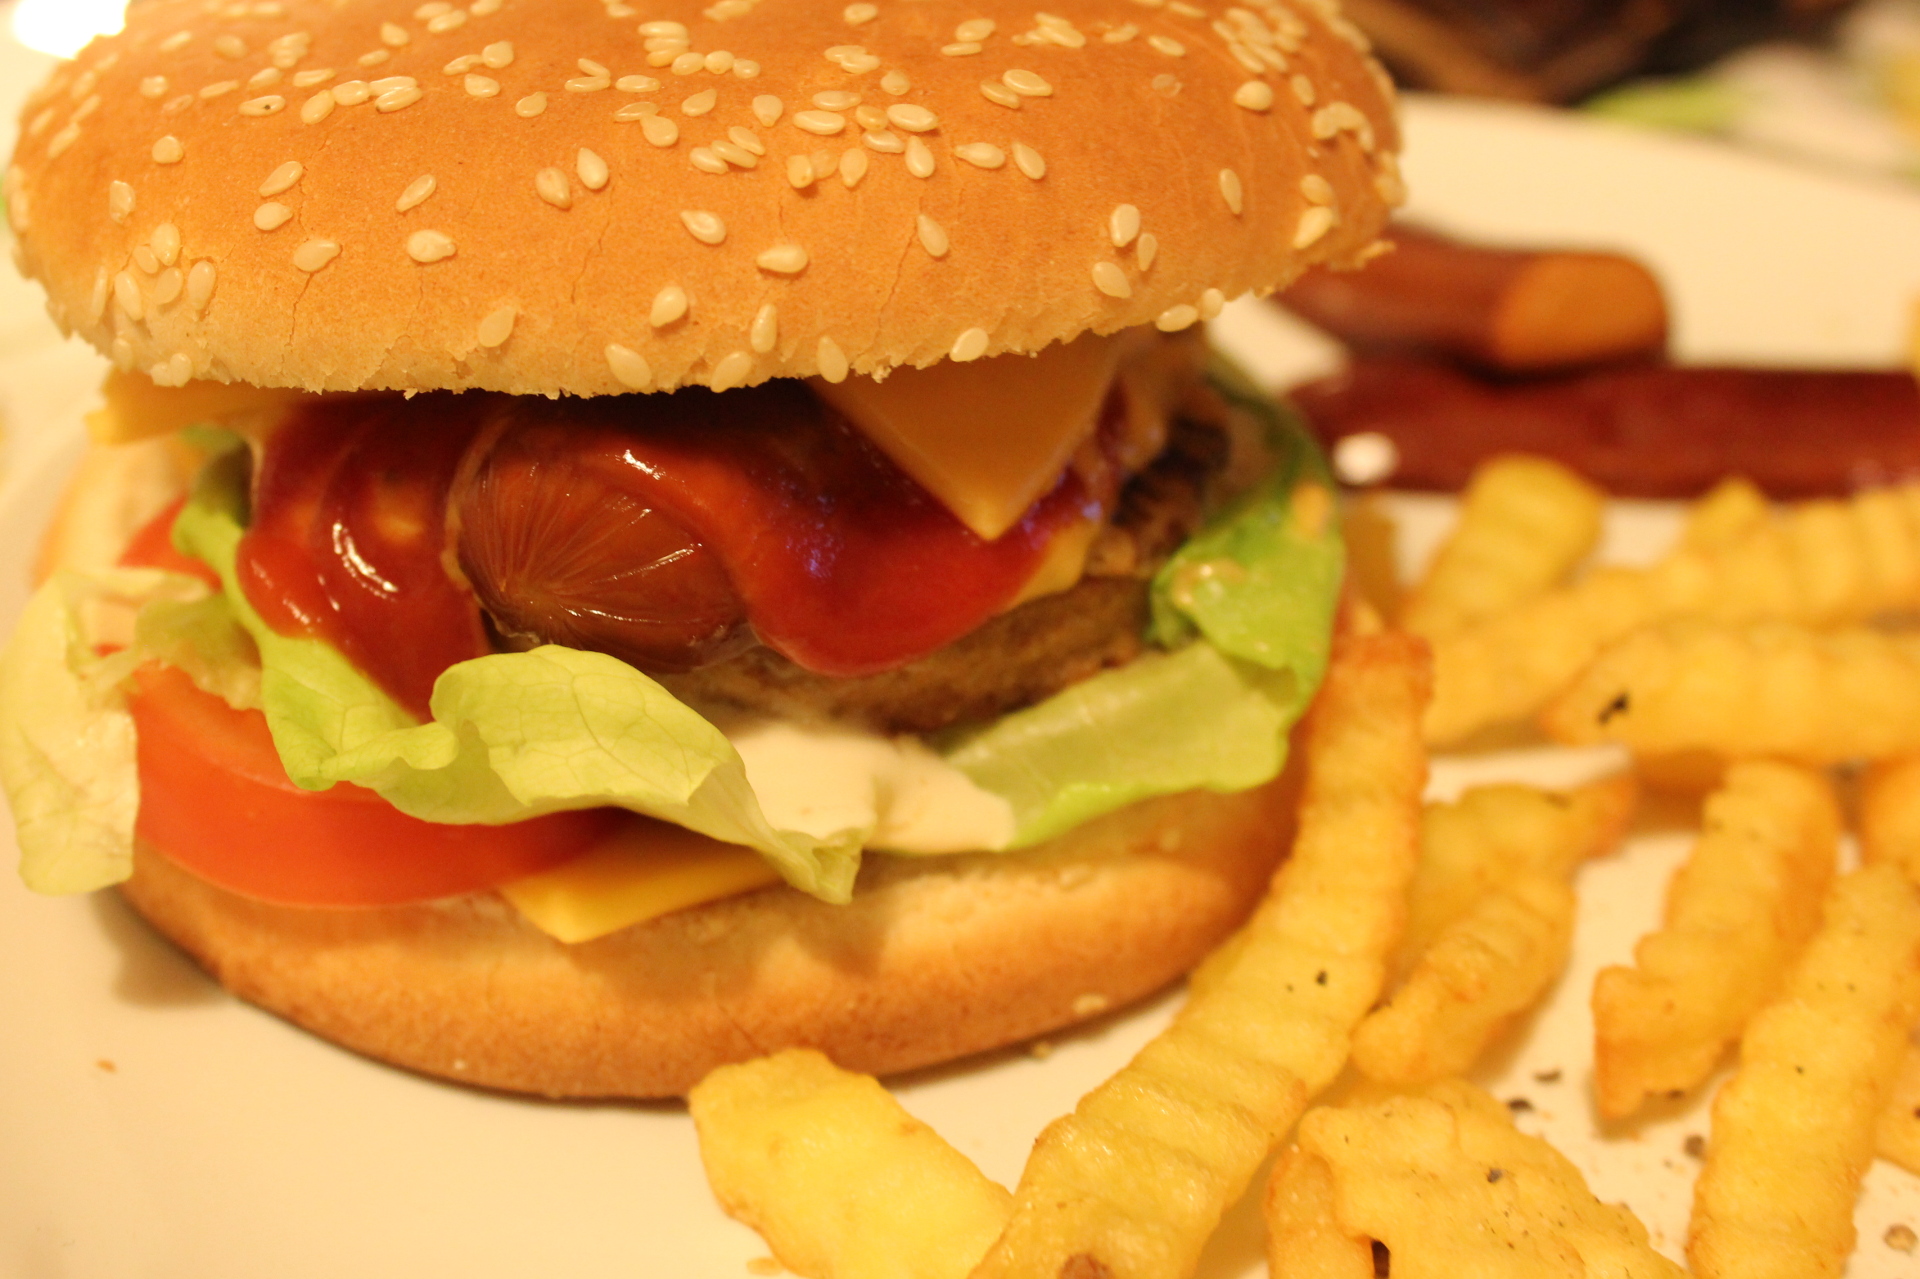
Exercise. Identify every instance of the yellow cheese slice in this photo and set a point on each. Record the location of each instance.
(644, 870)
(137, 408)
(986, 438)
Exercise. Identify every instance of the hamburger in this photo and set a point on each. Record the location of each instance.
(621, 539)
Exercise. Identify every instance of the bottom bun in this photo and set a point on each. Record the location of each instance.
(936, 958)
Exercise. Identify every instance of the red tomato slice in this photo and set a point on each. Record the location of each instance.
(215, 799)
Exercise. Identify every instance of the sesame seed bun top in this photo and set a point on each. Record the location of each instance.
(591, 196)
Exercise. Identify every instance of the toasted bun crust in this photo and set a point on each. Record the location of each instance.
(935, 958)
(1167, 153)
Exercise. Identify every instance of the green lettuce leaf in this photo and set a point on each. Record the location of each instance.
(1246, 606)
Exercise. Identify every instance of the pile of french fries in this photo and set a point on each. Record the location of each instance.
(1401, 940)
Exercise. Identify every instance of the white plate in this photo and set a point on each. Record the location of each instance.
(151, 1125)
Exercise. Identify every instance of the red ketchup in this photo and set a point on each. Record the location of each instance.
(668, 530)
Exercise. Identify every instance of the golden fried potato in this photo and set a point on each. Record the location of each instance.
(1493, 833)
(837, 1178)
(1728, 511)
(1373, 569)
(1775, 689)
(1793, 1130)
(1896, 1135)
(1443, 1179)
(1822, 563)
(1890, 814)
(1480, 974)
(1525, 522)
(1304, 1241)
(1132, 1183)
(1738, 913)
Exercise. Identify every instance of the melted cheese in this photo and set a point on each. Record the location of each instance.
(990, 437)
(137, 408)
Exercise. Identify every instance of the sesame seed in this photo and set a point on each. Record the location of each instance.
(688, 63)
(387, 84)
(1254, 95)
(765, 330)
(912, 118)
(86, 109)
(636, 111)
(154, 86)
(800, 173)
(1145, 249)
(746, 139)
(1212, 302)
(593, 171)
(884, 142)
(732, 371)
(1123, 224)
(1314, 225)
(350, 93)
(1026, 84)
(919, 158)
(853, 167)
(1316, 189)
(733, 153)
(852, 59)
(588, 84)
(497, 327)
(823, 123)
(168, 150)
(895, 82)
(669, 304)
(719, 62)
(498, 55)
(700, 103)
(283, 178)
(59, 142)
(200, 282)
(176, 42)
(974, 30)
(1029, 161)
(767, 110)
(870, 117)
(1111, 280)
(126, 295)
(1185, 10)
(166, 243)
(663, 27)
(672, 46)
(636, 84)
(427, 247)
(994, 91)
(374, 58)
(1176, 318)
(859, 14)
(175, 370)
(660, 131)
(307, 79)
(315, 254)
(836, 100)
(1167, 45)
(530, 106)
(397, 99)
(1247, 58)
(483, 8)
(1231, 191)
(479, 86)
(831, 360)
(981, 155)
(218, 88)
(264, 78)
(271, 216)
(961, 49)
(432, 9)
(447, 22)
(933, 236)
(1120, 34)
(970, 345)
(598, 70)
(1166, 86)
(707, 160)
(143, 257)
(823, 161)
(629, 367)
(166, 289)
(745, 68)
(552, 186)
(416, 193)
(704, 227)
(394, 36)
(230, 46)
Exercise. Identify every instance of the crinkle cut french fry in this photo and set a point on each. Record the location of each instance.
(1825, 563)
(1480, 974)
(1737, 914)
(1890, 815)
(1896, 1135)
(1729, 510)
(1493, 833)
(1525, 522)
(1772, 689)
(1373, 571)
(839, 1180)
(1793, 1130)
(1304, 1241)
(1445, 1181)
(1132, 1183)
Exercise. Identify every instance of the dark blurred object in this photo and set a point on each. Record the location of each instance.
(1560, 50)
(1505, 310)
(1637, 431)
